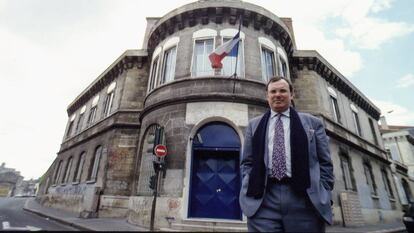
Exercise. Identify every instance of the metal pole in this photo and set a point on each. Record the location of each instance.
(154, 200)
(237, 57)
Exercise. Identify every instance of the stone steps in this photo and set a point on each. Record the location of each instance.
(207, 226)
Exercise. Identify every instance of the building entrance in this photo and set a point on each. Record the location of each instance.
(215, 173)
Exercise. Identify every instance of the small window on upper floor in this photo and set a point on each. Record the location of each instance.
(334, 104)
(70, 126)
(356, 120)
(80, 120)
(203, 46)
(282, 63)
(374, 134)
(268, 58)
(154, 73)
(92, 111)
(110, 93)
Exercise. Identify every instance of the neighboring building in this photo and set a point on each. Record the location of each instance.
(9, 180)
(399, 143)
(27, 188)
(104, 164)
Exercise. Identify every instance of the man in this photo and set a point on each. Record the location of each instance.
(286, 167)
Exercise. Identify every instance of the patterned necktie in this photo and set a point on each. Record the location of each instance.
(279, 155)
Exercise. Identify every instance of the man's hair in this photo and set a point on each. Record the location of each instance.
(278, 78)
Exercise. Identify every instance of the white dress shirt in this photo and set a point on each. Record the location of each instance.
(270, 137)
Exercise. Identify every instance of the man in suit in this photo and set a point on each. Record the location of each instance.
(286, 167)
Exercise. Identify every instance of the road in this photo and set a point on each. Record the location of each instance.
(13, 217)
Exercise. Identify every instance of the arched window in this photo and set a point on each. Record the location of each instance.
(204, 41)
(267, 55)
(147, 158)
(67, 170)
(70, 126)
(94, 166)
(92, 111)
(57, 173)
(79, 165)
(334, 104)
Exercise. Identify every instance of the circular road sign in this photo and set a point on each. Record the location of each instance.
(160, 150)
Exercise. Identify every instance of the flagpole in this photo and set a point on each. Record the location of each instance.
(237, 57)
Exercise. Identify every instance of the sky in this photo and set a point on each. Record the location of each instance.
(51, 50)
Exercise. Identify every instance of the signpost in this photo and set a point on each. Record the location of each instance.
(160, 151)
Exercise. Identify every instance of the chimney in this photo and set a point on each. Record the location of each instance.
(383, 122)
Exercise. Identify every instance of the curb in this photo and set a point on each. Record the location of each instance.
(392, 230)
(79, 227)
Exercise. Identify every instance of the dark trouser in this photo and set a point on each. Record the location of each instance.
(284, 210)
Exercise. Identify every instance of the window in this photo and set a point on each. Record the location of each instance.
(229, 62)
(78, 172)
(169, 65)
(356, 120)
(387, 183)
(109, 99)
(57, 172)
(154, 71)
(67, 170)
(93, 169)
(346, 172)
(370, 178)
(268, 64)
(395, 153)
(282, 63)
(374, 135)
(201, 63)
(92, 112)
(70, 126)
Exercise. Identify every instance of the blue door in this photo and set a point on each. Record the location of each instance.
(215, 179)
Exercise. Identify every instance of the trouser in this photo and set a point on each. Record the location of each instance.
(285, 210)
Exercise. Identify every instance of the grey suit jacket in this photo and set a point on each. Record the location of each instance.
(320, 166)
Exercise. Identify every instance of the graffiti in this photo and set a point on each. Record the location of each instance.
(69, 190)
(173, 204)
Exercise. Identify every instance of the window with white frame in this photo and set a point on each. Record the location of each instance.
(78, 172)
(168, 65)
(93, 169)
(201, 63)
(204, 44)
(110, 93)
(268, 58)
(355, 119)
(229, 62)
(92, 111)
(154, 73)
(283, 69)
(334, 104)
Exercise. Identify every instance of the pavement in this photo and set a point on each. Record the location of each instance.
(117, 224)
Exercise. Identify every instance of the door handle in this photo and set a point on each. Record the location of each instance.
(218, 190)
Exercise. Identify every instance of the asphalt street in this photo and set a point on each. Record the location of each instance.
(14, 218)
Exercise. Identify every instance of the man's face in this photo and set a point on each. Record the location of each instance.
(279, 96)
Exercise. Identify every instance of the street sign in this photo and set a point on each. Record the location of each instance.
(160, 150)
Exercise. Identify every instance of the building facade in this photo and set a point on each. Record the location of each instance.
(10, 181)
(399, 144)
(105, 161)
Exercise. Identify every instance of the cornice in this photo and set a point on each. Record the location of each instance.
(312, 60)
(128, 60)
(204, 12)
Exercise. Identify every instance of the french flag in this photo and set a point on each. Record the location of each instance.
(230, 48)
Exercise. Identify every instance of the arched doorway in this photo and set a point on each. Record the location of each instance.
(215, 173)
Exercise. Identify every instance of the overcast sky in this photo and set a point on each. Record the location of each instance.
(51, 50)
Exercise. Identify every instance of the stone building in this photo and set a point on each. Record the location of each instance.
(10, 179)
(104, 164)
(399, 144)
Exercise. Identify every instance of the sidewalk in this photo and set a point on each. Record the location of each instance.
(89, 224)
(112, 224)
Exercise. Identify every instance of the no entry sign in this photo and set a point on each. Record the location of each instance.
(160, 150)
